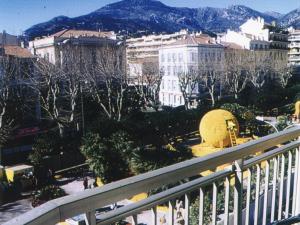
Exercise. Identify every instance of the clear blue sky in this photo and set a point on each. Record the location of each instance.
(18, 15)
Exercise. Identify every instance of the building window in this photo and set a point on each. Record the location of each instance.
(46, 56)
(173, 85)
(193, 56)
(162, 85)
(180, 100)
(219, 56)
(180, 57)
(169, 57)
(180, 69)
(174, 99)
(169, 70)
(162, 57)
(162, 70)
(174, 57)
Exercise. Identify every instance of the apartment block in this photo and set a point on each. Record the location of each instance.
(256, 34)
(146, 48)
(52, 48)
(182, 57)
(294, 48)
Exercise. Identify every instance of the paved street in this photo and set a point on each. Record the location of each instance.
(14, 209)
(71, 186)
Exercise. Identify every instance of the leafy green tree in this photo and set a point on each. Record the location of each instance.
(44, 145)
(150, 158)
(108, 157)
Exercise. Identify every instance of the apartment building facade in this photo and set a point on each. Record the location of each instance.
(146, 49)
(182, 57)
(294, 48)
(52, 48)
(256, 34)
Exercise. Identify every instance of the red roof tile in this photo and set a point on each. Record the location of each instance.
(17, 51)
(192, 40)
(77, 33)
(231, 45)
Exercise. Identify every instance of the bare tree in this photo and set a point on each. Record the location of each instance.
(269, 64)
(147, 84)
(237, 76)
(46, 83)
(107, 80)
(210, 74)
(71, 71)
(8, 70)
(188, 82)
(280, 67)
(58, 86)
(259, 67)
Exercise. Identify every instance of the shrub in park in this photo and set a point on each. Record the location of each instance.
(45, 194)
(108, 157)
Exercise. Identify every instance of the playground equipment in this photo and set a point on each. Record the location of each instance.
(219, 129)
(297, 111)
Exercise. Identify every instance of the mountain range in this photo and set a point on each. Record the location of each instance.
(153, 16)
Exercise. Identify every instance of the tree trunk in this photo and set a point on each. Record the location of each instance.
(213, 101)
(1, 121)
(61, 130)
(186, 105)
(2, 116)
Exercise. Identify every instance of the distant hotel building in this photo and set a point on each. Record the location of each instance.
(294, 46)
(255, 34)
(51, 47)
(146, 48)
(181, 57)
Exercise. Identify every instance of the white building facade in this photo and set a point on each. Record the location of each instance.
(294, 48)
(255, 34)
(50, 47)
(182, 57)
(146, 48)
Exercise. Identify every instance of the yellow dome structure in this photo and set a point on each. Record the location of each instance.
(215, 128)
(297, 110)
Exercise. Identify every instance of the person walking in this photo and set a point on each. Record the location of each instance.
(85, 183)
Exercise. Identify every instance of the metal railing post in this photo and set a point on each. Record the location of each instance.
(90, 218)
(297, 208)
(238, 192)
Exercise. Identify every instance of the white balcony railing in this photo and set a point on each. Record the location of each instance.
(294, 45)
(261, 179)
